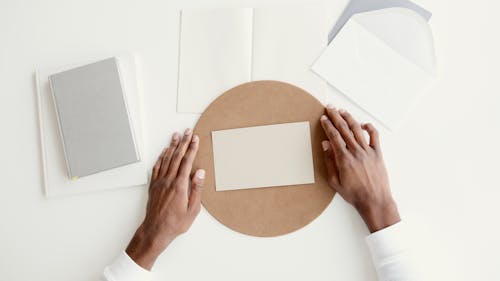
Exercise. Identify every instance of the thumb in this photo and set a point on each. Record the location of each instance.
(197, 182)
(331, 167)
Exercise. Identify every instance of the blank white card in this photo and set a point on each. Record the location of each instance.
(263, 156)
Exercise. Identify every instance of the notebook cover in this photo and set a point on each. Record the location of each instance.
(93, 118)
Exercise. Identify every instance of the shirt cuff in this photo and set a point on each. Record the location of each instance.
(125, 269)
(387, 242)
(391, 253)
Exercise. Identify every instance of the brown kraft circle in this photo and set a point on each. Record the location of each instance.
(269, 211)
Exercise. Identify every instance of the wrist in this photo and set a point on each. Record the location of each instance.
(379, 215)
(145, 247)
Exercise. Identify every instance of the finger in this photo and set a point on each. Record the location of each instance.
(355, 128)
(333, 135)
(331, 167)
(179, 154)
(187, 161)
(157, 166)
(167, 157)
(342, 127)
(196, 189)
(374, 136)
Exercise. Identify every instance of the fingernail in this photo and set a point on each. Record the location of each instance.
(187, 131)
(330, 106)
(342, 110)
(175, 136)
(200, 174)
(195, 139)
(323, 118)
(325, 145)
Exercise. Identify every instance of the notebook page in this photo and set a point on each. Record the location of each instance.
(215, 55)
(287, 40)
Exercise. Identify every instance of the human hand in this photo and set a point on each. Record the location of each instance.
(356, 168)
(173, 202)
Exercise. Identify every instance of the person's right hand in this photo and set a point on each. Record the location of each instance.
(174, 200)
(356, 168)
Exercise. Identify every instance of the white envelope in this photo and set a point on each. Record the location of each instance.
(382, 60)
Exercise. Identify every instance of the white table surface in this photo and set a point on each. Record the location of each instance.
(442, 162)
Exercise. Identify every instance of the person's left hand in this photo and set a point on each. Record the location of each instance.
(173, 202)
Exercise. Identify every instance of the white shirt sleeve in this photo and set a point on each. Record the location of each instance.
(389, 249)
(125, 269)
(391, 254)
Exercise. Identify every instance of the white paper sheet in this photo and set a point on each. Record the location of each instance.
(372, 65)
(263, 156)
(214, 56)
(223, 48)
(286, 42)
(56, 181)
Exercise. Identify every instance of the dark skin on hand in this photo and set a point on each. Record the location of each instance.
(355, 168)
(174, 200)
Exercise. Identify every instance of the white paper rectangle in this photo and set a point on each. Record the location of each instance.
(263, 156)
(215, 55)
(286, 41)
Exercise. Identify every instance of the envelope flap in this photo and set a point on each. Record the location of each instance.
(371, 74)
(403, 30)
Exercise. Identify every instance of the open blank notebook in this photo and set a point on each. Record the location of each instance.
(222, 48)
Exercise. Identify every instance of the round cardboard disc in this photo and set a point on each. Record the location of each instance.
(269, 211)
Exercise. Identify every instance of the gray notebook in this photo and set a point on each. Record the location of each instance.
(93, 118)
